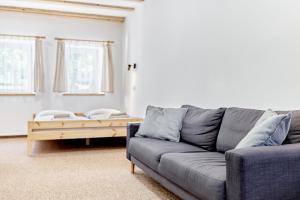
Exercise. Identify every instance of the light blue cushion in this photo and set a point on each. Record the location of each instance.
(270, 130)
(162, 123)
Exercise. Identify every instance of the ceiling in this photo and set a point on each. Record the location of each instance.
(113, 10)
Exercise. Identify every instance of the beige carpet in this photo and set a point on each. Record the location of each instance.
(68, 170)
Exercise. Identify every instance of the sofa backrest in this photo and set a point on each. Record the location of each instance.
(201, 126)
(294, 132)
(237, 122)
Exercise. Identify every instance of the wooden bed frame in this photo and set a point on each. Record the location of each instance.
(77, 129)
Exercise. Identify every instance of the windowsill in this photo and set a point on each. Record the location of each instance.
(83, 94)
(18, 94)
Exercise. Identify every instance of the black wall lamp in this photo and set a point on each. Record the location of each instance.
(130, 66)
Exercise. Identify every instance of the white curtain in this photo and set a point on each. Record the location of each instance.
(17, 56)
(83, 67)
(83, 63)
(107, 69)
(38, 66)
(60, 81)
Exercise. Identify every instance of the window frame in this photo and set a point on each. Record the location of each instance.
(83, 94)
(30, 92)
(85, 44)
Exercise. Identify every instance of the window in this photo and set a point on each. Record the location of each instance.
(16, 65)
(83, 67)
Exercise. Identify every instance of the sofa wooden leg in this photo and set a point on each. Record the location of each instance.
(87, 141)
(132, 167)
(29, 147)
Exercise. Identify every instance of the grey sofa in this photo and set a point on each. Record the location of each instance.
(256, 173)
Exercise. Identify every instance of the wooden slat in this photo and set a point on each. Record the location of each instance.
(81, 123)
(84, 40)
(18, 94)
(93, 5)
(76, 129)
(23, 36)
(62, 13)
(60, 135)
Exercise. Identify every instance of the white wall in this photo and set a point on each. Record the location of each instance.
(16, 111)
(214, 53)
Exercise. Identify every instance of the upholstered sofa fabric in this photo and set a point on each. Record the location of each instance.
(180, 192)
(293, 136)
(263, 173)
(132, 129)
(149, 151)
(236, 124)
(254, 173)
(203, 174)
(162, 123)
(270, 130)
(201, 126)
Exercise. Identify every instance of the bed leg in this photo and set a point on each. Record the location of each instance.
(132, 167)
(29, 147)
(87, 141)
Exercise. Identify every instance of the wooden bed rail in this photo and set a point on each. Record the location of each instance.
(77, 129)
(65, 124)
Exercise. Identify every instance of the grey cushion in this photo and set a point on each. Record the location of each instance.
(162, 123)
(183, 194)
(202, 174)
(201, 126)
(270, 130)
(149, 151)
(236, 124)
(294, 132)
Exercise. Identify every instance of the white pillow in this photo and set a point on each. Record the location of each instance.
(103, 111)
(56, 113)
(99, 117)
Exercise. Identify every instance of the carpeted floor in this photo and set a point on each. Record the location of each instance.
(68, 170)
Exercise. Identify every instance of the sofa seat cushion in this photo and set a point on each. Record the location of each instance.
(202, 174)
(149, 151)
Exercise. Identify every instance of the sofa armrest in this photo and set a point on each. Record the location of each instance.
(260, 173)
(132, 129)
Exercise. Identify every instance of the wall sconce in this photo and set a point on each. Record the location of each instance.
(132, 66)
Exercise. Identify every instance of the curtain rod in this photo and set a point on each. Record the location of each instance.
(27, 36)
(100, 41)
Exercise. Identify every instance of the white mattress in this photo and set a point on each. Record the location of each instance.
(52, 118)
(60, 115)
